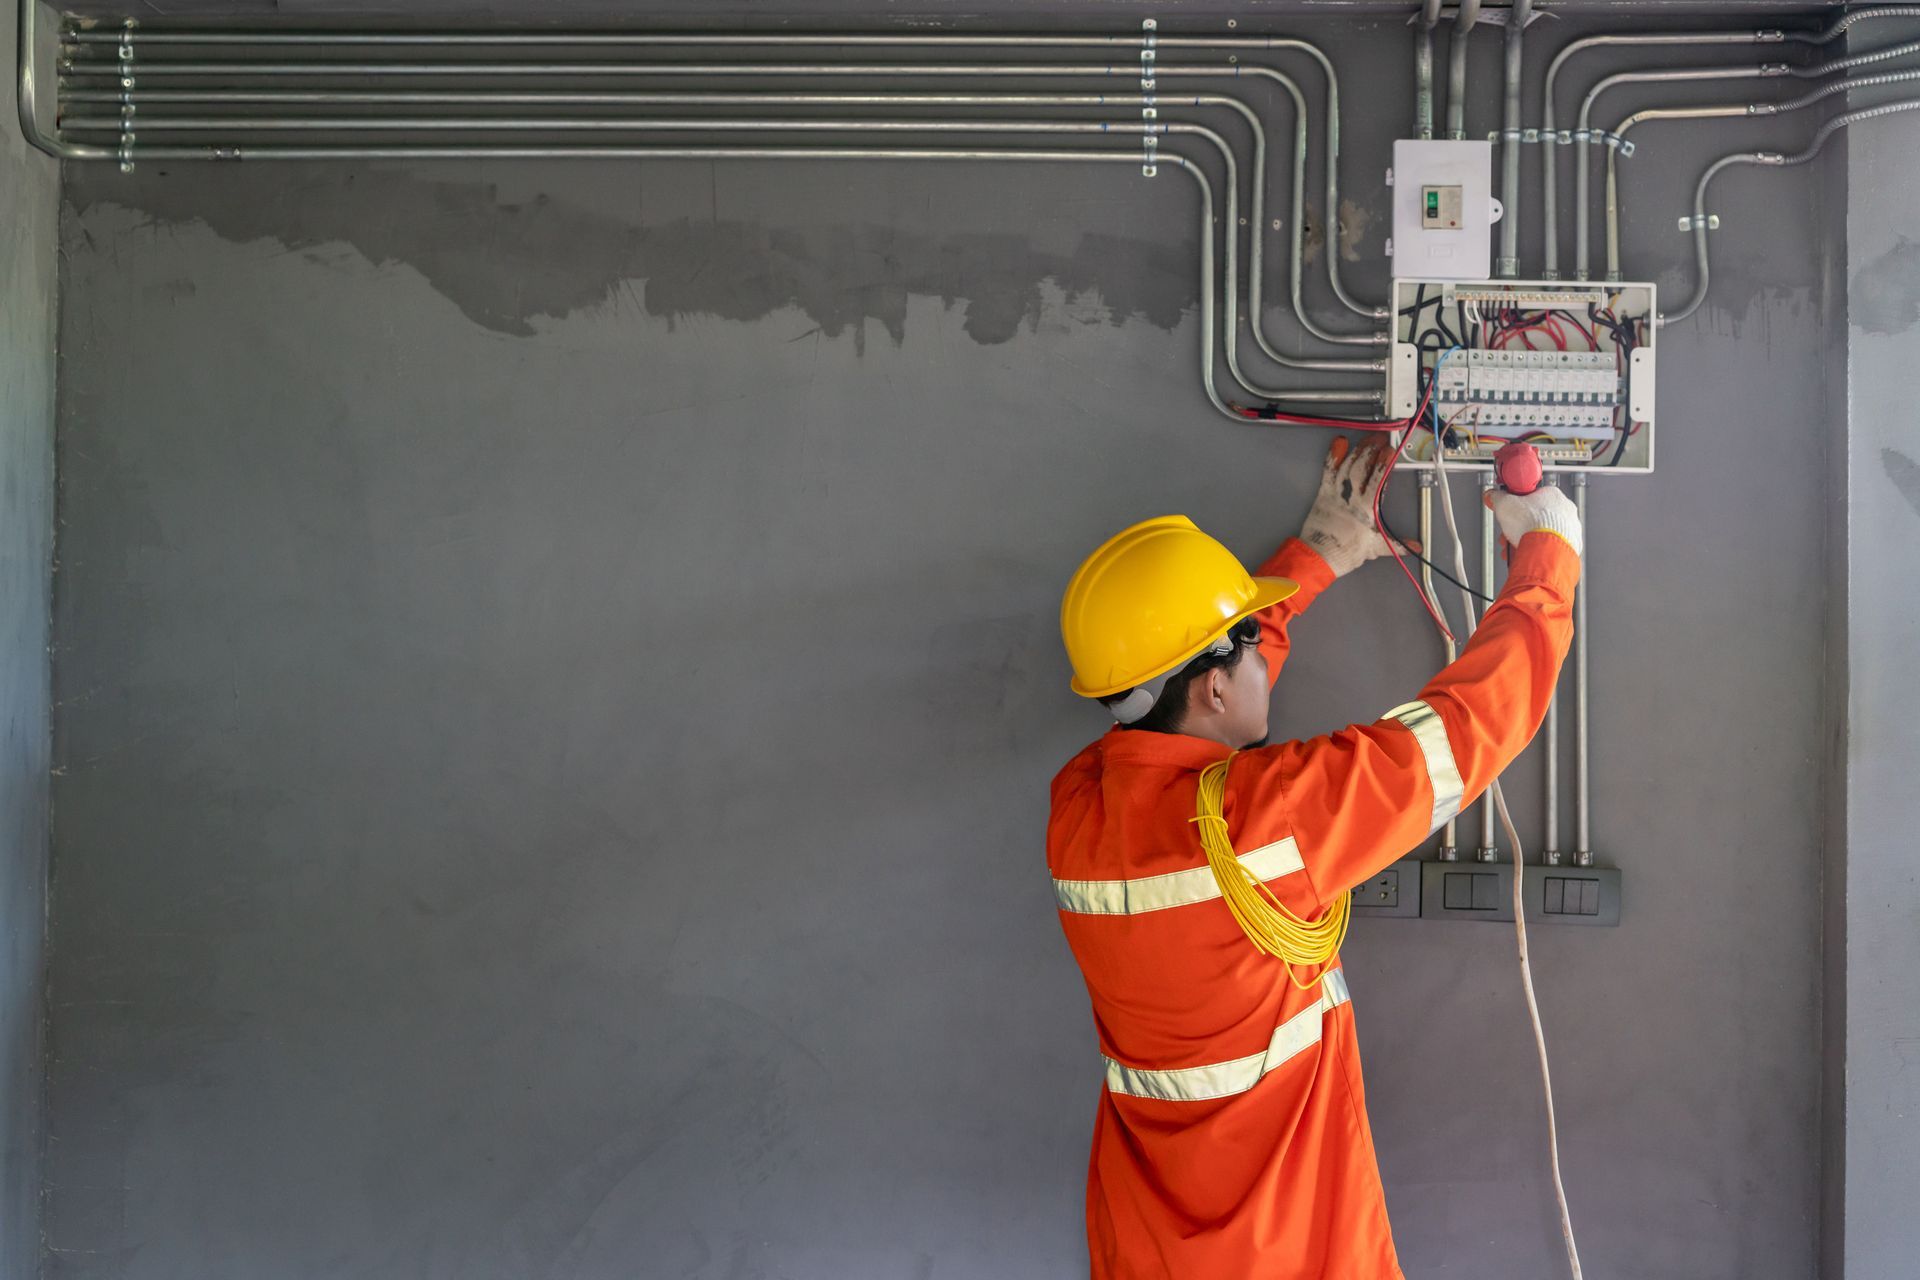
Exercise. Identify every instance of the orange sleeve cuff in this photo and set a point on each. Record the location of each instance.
(1296, 560)
(1545, 557)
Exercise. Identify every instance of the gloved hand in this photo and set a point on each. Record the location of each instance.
(1340, 523)
(1520, 514)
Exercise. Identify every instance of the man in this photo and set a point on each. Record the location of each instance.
(1232, 1138)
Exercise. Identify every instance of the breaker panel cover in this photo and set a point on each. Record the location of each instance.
(1443, 210)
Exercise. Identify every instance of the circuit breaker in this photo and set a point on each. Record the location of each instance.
(1443, 209)
(1567, 367)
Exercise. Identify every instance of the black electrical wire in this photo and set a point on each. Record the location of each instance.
(1407, 547)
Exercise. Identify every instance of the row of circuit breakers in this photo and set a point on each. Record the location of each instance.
(1565, 365)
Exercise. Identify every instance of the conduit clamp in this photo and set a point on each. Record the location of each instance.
(1149, 152)
(1705, 222)
(125, 151)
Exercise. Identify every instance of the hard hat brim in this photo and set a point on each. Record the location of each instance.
(1267, 592)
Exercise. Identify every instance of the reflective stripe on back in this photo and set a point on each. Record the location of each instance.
(1224, 1079)
(1174, 889)
(1430, 733)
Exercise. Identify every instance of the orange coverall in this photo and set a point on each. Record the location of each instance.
(1232, 1140)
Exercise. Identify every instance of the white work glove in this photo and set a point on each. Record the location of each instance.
(1340, 524)
(1546, 508)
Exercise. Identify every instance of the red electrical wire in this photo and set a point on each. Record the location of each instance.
(1406, 427)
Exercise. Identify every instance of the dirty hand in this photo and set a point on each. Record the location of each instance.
(1545, 509)
(1340, 524)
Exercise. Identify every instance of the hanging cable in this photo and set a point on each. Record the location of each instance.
(1519, 903)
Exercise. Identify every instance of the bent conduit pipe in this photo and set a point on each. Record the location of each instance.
(1464, 18)
(1423, 69)
(1847, 22)
(1775, 160)
(27, 35)
(486, 124)
(1810, 72)
(777, 71)
(235, 124)
(1550, 186)
(627, 98)
(1508, 264)
(1582, 162)
(1714, 112)
(1202, 183)
(623, 39)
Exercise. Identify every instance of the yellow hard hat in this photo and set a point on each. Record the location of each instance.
(1150, 600)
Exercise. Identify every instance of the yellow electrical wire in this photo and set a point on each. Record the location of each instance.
(1267, 923)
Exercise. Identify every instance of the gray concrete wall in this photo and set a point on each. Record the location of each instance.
(559, 679)
(29, 229)
(1882, 645)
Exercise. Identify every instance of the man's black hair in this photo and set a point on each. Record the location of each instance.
(1171, 708)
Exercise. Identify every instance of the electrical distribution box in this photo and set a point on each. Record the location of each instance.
(1567, 367)
(1443, 209)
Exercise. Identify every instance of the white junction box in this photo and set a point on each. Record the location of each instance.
(1443, 210)
(1567, 367)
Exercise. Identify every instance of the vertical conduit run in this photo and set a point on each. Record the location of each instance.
(1489, 850)
(1449, 850)
(1469, 13)
(1550, 846)
(1423, 68)
(1582, 841)
(1549, 179)
(1508, 264)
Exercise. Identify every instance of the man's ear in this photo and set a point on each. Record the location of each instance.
(1209, 691)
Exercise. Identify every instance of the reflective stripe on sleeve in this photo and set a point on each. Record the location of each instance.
(1430, 732)
(1224, 1079)
(1174, 889)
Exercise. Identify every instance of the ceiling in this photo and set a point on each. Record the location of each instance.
(866, 13)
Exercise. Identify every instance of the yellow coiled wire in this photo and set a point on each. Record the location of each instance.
(1267, 923)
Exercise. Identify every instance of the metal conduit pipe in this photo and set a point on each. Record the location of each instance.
(1489, 850)
(1208, 255)
(1203, 184)
(1582, 162)
(1772, 159)
(1582, 778)
(1464, 18)
(1726, 110)
(1229, 308)
(778, 71)
(1508, 263)
(1256, 267)
(1423, 68)
(1613, 165)
(1143, 43)
(1257, 272)
(1550, 186)
(1848, 21)
(1887, 53)
(27, 35)
(1550, 845)
(1449, 850)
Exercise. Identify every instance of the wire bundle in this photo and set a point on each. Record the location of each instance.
(1311, 944)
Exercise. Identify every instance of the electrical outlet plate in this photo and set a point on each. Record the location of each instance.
(1443, 209)
(1554, 895)
(1566, 401)
(1393, 892)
